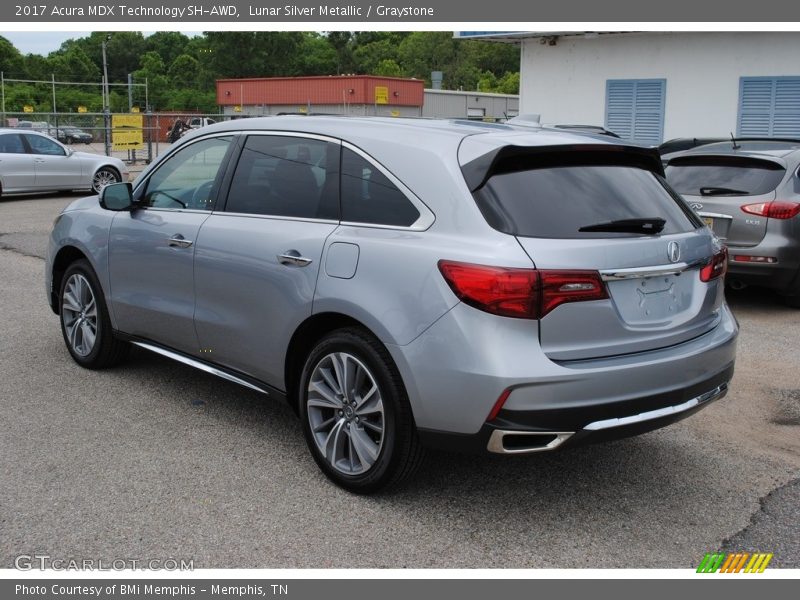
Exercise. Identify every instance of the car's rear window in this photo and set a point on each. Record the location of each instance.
(723, 176)
(555, 202)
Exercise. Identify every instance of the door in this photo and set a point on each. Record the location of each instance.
(56, 168)
(257, 261)
(151, 248)
(17, 172)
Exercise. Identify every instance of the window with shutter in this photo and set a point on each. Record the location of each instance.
(635, 109)
(769, 106)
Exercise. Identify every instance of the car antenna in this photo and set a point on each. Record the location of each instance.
(735, 145)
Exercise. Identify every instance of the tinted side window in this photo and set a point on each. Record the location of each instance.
(557, 202)
(11, 143)
(369, 197)
(286, 177)
(41, 145)
(723, 176)
(187, 178)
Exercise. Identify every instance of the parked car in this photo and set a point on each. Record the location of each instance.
(748, 193)
(69, 135)
(408, 283)
(34, 162)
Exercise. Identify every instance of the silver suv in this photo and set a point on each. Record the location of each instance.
(408, 283)
(748, 192)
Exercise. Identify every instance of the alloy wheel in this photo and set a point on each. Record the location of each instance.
(103, 178)
(346, 413)
(79, 315)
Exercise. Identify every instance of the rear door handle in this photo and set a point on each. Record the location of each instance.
(293, 257)
(178, 241)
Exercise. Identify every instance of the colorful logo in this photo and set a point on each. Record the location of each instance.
(736, 562)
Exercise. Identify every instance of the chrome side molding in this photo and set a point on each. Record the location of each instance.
(717, 392)
(200, 365)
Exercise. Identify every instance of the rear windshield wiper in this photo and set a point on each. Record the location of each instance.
(722, 191)
(650, 225)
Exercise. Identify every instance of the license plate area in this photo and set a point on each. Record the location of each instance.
(654, 301)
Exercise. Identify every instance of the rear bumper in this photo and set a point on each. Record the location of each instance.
(456, 371)
(536, 431)
(782, 276)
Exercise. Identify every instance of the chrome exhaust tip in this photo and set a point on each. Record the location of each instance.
(526, 442)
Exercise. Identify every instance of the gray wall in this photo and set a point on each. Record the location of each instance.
(446, 103)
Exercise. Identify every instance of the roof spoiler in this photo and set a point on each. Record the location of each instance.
(509, 159)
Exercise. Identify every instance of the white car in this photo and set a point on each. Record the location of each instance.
(34, 162)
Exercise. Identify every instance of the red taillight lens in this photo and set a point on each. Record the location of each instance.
(776, 209)
(560, 287)
(716, 267)
(520, 293)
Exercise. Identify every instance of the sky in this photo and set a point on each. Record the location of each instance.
(45, 42)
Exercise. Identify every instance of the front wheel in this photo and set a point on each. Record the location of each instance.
(355, 413)
(85, 323)
(104, 176)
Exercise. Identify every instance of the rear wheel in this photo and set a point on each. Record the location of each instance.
(355, 413)
(85, 323)
(104, 176)
(69, 140)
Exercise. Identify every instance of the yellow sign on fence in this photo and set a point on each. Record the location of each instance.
(381, 94)
(27, 108)
(82, 109)
(126, 132)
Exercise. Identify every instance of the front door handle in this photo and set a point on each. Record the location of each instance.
(178, 241)
(293, 257)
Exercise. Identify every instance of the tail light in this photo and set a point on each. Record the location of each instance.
(775, 209)
(716, 267)
(520, 293)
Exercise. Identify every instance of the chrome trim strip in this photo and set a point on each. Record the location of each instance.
(200, 365)
(714, 215)
(642, 272)
(495, 444)
(714, 394)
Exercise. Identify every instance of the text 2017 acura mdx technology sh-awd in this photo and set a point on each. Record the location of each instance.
(408, 283)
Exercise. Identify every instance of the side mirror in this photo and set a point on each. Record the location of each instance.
(117, 196)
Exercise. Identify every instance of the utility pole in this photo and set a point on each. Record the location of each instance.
(106, 99)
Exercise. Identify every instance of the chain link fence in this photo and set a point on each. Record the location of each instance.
(94, 132)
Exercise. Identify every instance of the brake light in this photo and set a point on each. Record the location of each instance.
(520, 293)
(716, 267)
(775, 209)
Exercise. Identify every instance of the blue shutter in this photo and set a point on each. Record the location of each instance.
(635, 109)
(769, 106)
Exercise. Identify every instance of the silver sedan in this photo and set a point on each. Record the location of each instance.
(34, 162)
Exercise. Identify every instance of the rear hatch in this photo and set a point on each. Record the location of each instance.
(596, 208)
(716, 187)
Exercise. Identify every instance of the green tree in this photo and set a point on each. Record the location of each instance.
(183, 72)
(168, 44)
(388, 68)
(11, 62)
(317, 56)
(153, 72)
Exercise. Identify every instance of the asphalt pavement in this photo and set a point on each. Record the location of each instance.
(153, 459)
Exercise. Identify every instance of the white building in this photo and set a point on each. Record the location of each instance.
(654, 86)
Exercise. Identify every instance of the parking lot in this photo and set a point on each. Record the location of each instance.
(154, 460)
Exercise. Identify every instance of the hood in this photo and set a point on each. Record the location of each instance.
(82, 204)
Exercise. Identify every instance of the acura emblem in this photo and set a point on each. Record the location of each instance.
(674, 252)
(696, 206)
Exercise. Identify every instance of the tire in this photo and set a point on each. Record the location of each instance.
(103, 177)
(364, 441)
(69, 140)
(83, 315)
